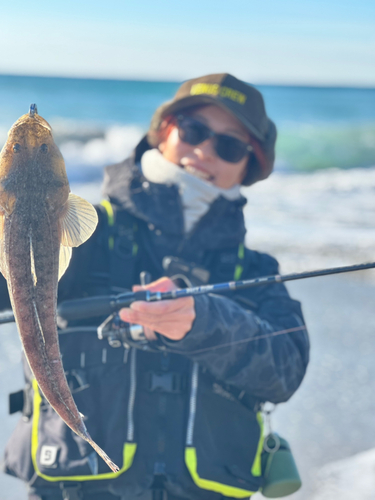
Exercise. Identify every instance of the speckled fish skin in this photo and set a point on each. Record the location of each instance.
(34, 196)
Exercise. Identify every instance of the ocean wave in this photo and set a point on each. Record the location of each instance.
(299, 148)
(85, 159)
(307, 147)
(88, 146)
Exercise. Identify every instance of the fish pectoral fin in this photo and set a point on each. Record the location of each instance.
(3, 261)
(78, 221)
(64, 259)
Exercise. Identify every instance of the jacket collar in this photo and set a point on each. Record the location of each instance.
(159, 205)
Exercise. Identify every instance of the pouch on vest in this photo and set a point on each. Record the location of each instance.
(95, 372)
(222, 454)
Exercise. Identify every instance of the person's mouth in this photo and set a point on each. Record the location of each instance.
(198, 172)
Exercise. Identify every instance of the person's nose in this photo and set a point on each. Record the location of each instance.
(205, 150)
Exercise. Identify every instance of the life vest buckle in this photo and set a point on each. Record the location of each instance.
(165, 382)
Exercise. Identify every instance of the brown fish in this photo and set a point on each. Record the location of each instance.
(40, 220)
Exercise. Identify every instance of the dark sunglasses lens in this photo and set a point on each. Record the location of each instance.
(230, 149)
(192, 132)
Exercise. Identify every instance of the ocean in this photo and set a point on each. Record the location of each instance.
(317, 209)
(97, 122)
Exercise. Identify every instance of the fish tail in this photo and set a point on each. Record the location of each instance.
(102, 453)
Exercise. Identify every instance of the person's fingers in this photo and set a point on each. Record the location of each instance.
(171, 318)
(163, 284)
(175, 325)
(162, 307)
(152, 320)
(149, 334)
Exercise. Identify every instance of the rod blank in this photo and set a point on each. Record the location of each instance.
(106, 305)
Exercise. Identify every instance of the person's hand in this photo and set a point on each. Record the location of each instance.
(171, 318)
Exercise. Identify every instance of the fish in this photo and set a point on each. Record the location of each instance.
(40, 222)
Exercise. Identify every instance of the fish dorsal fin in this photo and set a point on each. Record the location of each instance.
(64, 259)
(78, 222)
(3, 264)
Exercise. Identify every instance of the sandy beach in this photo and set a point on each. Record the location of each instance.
(307, 222)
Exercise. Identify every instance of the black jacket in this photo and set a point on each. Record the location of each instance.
(230, 350)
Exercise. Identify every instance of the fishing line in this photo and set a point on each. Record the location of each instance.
(236, 342)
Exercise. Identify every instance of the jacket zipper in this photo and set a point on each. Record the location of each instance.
(133, 387)
(192, 404)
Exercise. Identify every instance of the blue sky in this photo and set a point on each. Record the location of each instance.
(295, 42)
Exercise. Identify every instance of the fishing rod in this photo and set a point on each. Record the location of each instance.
(104, 305)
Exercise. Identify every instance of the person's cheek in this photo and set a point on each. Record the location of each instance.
(173, 148)
(221, 176)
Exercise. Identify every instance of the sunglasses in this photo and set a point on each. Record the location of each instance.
(227, 147)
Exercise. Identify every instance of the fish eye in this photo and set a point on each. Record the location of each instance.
(16, 148)
(44, 148)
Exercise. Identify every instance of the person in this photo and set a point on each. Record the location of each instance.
(181, 415)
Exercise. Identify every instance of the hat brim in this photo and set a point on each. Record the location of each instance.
(174, 106)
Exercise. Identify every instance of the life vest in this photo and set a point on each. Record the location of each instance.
(155, 414)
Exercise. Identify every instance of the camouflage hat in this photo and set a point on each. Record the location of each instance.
(243, 101)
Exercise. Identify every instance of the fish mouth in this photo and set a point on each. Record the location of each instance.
(30, 120)
(33, 110)
(34, 120)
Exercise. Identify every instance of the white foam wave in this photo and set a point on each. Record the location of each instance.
(307, 221)
(319, 219)
(86, 146)
(115, 145)
(300, 147)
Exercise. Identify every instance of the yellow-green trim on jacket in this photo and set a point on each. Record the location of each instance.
(206, 484)
(256, 469)
(111, 220)
(238, 270)
(228, 491)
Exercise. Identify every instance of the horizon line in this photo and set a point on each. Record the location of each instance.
(179, 81)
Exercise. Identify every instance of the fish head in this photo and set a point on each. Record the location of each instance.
(30, 155)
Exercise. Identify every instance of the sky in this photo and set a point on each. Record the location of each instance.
(300, 42)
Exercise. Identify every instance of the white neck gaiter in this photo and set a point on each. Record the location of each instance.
(196, 194)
